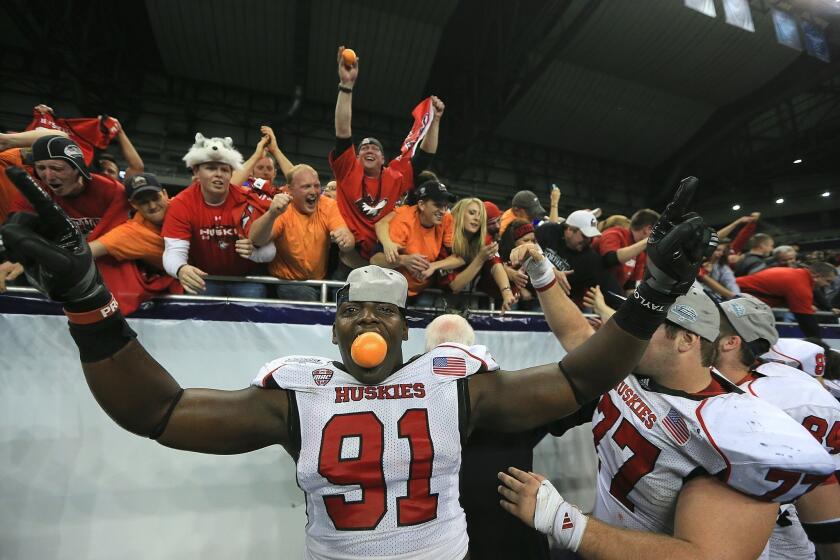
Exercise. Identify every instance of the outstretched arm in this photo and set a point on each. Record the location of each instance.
(430, 142)
(25, 139)
(344, 104)
(734, 525)
(241, 175)
(564, 318)
(132, 388)
(284, 163)
(129, 152)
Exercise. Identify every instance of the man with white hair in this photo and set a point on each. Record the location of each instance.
(493, 533)
(449, 328)
(206, 227)
(784, 255)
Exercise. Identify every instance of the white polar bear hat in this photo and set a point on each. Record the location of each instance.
(213, 149)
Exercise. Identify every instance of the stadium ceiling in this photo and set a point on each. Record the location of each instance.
(648, 83)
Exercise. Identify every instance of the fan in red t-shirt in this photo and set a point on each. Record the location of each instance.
(94, 202)
(792, 288)
(623, 249)
(368, 189)
(206, 227)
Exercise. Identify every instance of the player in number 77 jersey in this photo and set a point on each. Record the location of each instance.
(689, 463)
(377, 447)
(748, 330)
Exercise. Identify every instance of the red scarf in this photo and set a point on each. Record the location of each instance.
(423, 115)
(88, 133)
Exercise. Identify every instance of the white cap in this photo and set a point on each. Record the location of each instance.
(206, 150)
(585, 221)
(374, 283)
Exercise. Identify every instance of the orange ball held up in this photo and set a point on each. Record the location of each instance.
(369, 349)
(348, 56)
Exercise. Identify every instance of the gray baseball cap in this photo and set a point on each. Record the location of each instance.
(374, 283)
(529, 201)
(696, 312)
(751, 318)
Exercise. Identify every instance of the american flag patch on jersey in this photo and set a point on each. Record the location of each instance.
(675, 425)
(447, 365)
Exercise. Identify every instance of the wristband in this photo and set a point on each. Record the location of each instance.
(97, 326)
(555, 516)
(100, 313)
(344, 89)
(541, 273)
(643, 312)
(507, 288)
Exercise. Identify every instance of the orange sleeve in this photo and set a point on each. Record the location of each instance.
(400, 229)
(279, 225)
(333, 216)
(8, 191)
(131, 241)
(448, 229)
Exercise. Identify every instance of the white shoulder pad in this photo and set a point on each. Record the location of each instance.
(798, 354)
(804, 399)
(295, 367)
(767, 454)
(477, 354)
(778, 369)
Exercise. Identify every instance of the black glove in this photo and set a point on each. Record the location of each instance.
(678, 244)
(54, 254)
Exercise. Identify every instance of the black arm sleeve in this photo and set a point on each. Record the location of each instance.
(609, 285)
(342, 144)
(610, 259)
(582, 416)
(420, 162)
(808, 324)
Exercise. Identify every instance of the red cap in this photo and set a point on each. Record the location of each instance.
(493, 211)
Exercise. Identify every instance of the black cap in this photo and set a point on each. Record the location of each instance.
(371, 140)
(60, 147)
(435, 190)
(142, 182)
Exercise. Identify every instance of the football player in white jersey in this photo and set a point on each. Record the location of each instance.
(811, 355)
(747, 331)
(690, 465)
(377, 449)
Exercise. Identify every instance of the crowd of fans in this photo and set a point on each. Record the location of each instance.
(269, 216)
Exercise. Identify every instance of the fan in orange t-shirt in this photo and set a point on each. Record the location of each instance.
(139, 238)
(425, 233)
(302, 225)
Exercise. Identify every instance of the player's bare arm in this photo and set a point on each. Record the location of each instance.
(734, 525)
(521, 400)
(135, 391)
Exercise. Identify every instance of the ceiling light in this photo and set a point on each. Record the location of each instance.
(826, 194)
(797, 160)
(780, 200)
(736, 206)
